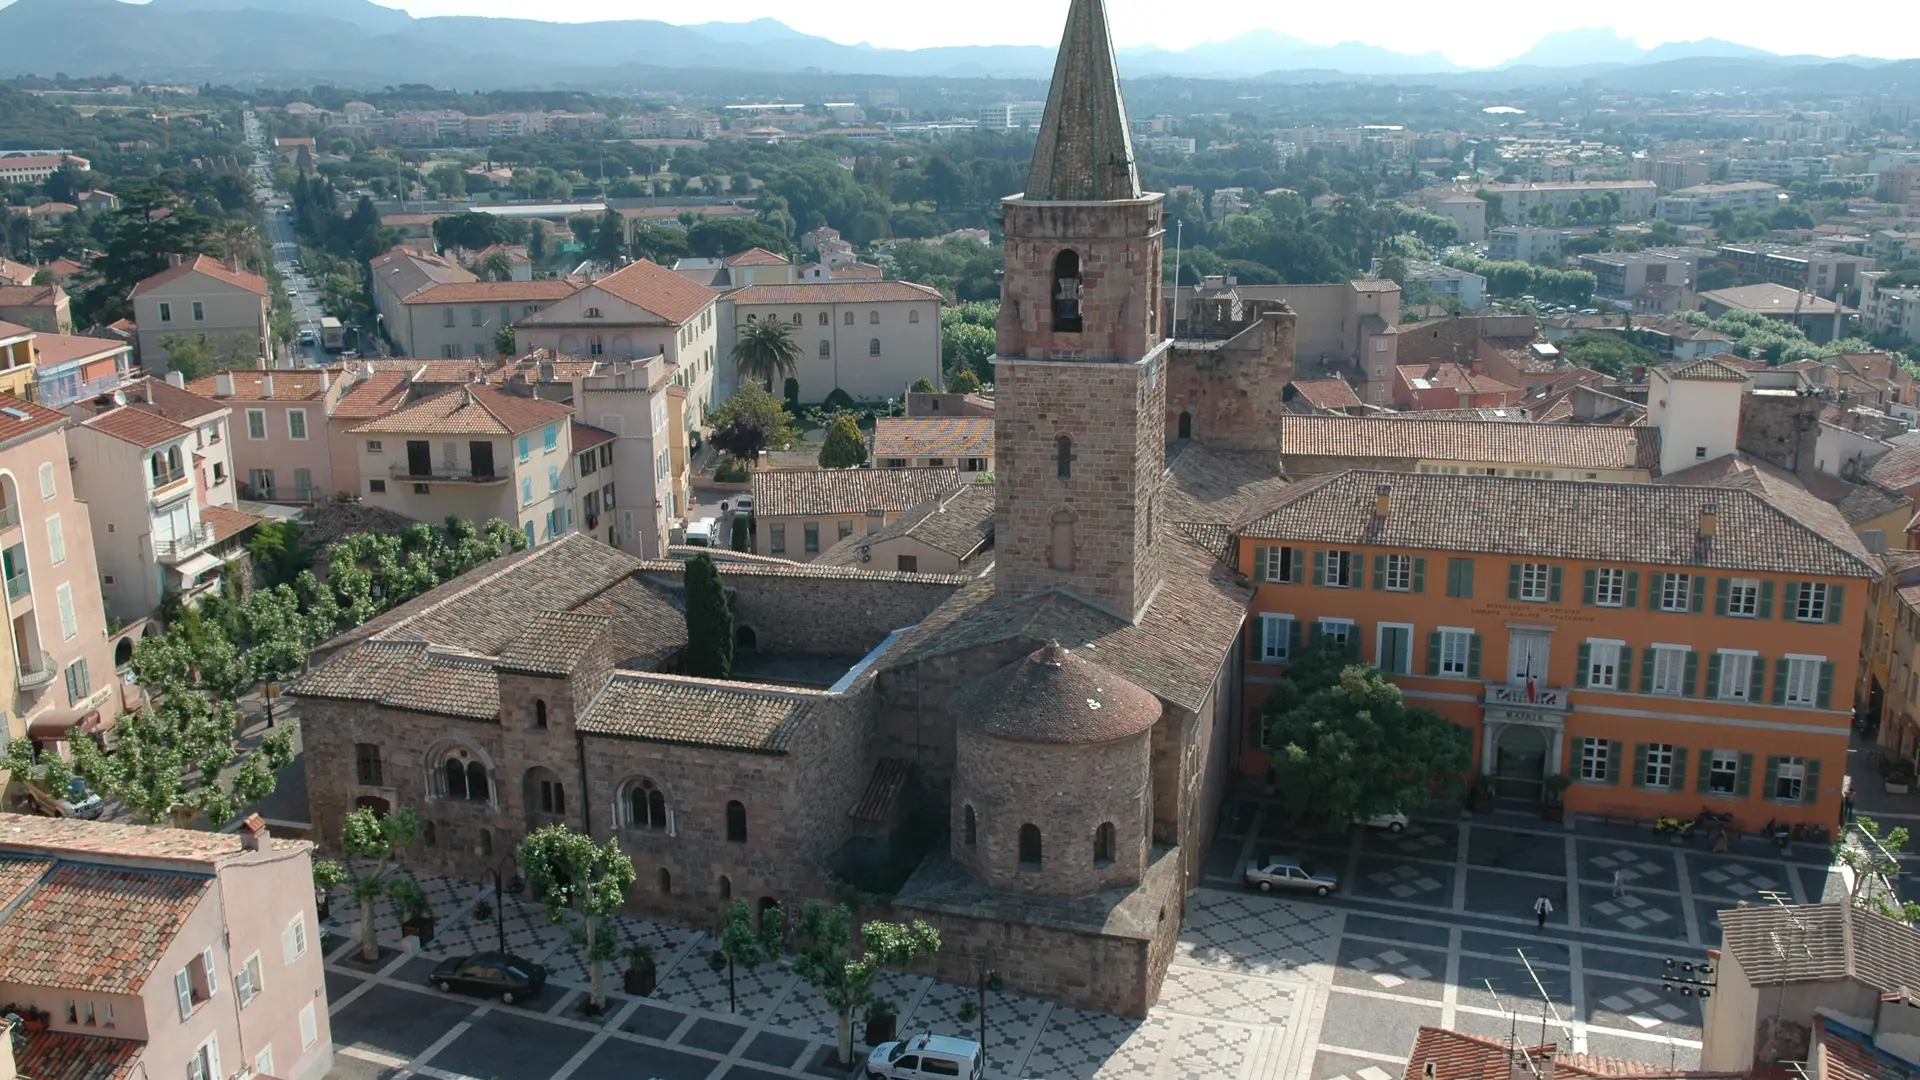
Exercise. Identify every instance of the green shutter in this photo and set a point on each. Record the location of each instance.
(1513, 581)
(1810, 787)
(1697, 596)
(1614, 749)
(1379, 572)
(1297, 562)
(1780, 681)
(1792, 605)
(1640, 765)
(1419, 573)
(1623, 677)
(1826, 685)
(1646, 671)
(1319, 568)
(1260, 562)
(1356, 577)
(1721, 586)
(1712, 689)
(1632, 599)
(1757, 688)
(1703, 781)
(1295, 632)
(1654, 583)
(1743, 780)
(1679, 769)
(1773, 776)
(1473, 657)
(1766, 600)
(1586, 664)
(1589, 580)
(1553, 584)
(1836, 602)
(1433, 653)
(1688, 673)
(1466, 578)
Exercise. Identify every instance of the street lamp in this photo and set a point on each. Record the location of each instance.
(513, 884)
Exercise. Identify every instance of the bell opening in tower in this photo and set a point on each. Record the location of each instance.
(1066, 292)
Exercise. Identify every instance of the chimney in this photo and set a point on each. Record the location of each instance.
(253, 833)
(1382, 500)
(176, 380)
(1709, 521)
(173, 260)
(266, 386)
(326, 380)
(223, 384)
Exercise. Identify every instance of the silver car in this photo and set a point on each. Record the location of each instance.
(1287, 872)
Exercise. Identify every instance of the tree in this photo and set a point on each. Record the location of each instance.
(846, 982)
(962, 381)
(921, 385)
(537, 243)
(750, 421)
(1345, 744)
(497, 265)
(505, 341)
(742, 539)
(44, 776)
(747, 944)
(371, 836)
(845, 446)
(569, 872)
(470, 231)
(709, 621)
(968, 346)
(1611, 354)
(766, 351)
(1873, 859)
(276, 636)
(191, 355)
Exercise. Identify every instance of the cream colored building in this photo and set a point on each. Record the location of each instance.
(403, 272)
(1310, 445)
(231, 308)
(474, 452)
(871, 339)
(799, 513)
(949, 534)
(635, 496)
(464, 318)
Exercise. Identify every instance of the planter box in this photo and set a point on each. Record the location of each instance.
(1897, 789)
(420, 927)
(881, 1029)
(638, 983)
(1553, 811)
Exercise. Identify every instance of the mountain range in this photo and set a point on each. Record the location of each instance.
(360, 42)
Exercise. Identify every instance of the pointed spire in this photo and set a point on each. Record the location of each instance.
(1084, 152)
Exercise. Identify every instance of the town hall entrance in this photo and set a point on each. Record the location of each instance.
(1520, 761)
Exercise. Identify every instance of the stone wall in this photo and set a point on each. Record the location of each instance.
(1456, 340)
(1781, 429)
(1230, 391)
(838, 616)
(913, 720)
(1119, 245)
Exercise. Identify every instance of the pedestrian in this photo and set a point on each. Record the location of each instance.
(1846, 808)
(1542, 908)
(1619, 884)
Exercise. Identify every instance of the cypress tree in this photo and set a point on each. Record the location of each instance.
(709, 621)
(845, 447)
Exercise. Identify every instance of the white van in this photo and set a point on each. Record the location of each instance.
(702, 533)
(925, 1057)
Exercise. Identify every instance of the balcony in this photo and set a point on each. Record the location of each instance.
(444, 474)
(179, 548)
(37, 672)
(1539, 699)
(18, 586)
(170, 484)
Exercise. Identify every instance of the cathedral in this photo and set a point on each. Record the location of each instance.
(1032, 759)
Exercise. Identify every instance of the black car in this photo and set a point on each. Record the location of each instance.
(489, 974)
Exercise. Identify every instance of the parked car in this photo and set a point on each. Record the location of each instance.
(923, 1057)
(81, 801)
(489, 974)
(307, 337)
(1287, 872)
(743, 505)
(1393, 822)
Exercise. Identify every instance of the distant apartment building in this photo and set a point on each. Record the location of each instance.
(1778, 170)
(1013, 116)
(670, 124)
(1827, 273)
(465, 318)
(1523, 243)
(35, 168)
(1888, 310)
(1697, 205)
(43, 308)
(1894, 245)
(1820, 319)
(871, 339)
(18, 356)
(278, 431)
(1624, 275)
(1672, 174)
(1467, 212)
(634, 485)
(405, 272)
(1463, 287)
(1518, 202)
(201, 297)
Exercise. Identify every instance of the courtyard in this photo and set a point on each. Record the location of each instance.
(1429, 927)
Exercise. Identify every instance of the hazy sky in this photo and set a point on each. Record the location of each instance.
(1481, 33)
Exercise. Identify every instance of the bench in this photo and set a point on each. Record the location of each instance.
(1620, 815)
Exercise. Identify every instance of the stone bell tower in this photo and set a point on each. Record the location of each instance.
(1080, 372)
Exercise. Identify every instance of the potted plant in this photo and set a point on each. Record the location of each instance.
(1897, 776)
(483, 910)
(1553, 807)
(639, 977)
(416, 915)
(882, 1018)
(26, 1017)
(1481, 794)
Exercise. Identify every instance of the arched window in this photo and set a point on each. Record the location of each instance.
(753, 318)
(173, 459)
(726, 887)
(456, 779)
(796, 318)
(744, 639)
(873, 347)
(427, 836)
(1186, 425)
(825, 319)
(826, 349)
(873, 318)
(539, 713)
(486, 841)
(666, 881)
(476, 782)
(157, 466)
(1063, 457)
(1066, 292)
(593, 313)
(1103, 844)
(596, 345)
(1060, 543)
(913, 317)
(1029, 847)
(970, 829)
(646, 805)
(848, 319)
(736, 821)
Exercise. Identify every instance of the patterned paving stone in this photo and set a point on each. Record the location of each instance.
(1253, 934)
(1012, 1020)
(567, 964)
(529, 934)
(1636, 864)
(696, 985)
(1203, 993)
(1095, 1046)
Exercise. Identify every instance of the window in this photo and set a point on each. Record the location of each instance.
(1460, 578)
(205, 1062)
(166, 312)
(1669, 669)
(551, 437)
(446, 318)
(1277, 634)
(199, 311)
(79, 683)
(970, 828)
(1743, 598)
(296, 423)
(1734, 679)
(1723, 772)
(1658, 770)
(526, 489)
(1065, 293)
(1596, 756)
(376, 487)
(847, 318)
(1103, 844)
(539, 713)
(1029, 847)
(1810, 602)
(1676, 592)
(1609, 587)
(69, 623)
(247, 982)
(366, 761)
(1455, 652)
(302, 484)
(777, 538)
(845, 529)
(1398, 573)
(1803, 678)
(873, 318)
(1535, 581)
(736, 822)
(1789, 779)
(1060, 551)
(1333, 569)
(825, 319)
(1337, 630)
(1063, 457)
(309, 1027)
(219, 473)
(1600, 663)
(183, 992)
(525, 448)
(873, 346)
(256, 424)
(1394, 652)
(553, 478)
(826, 349)
(908, 564)
(47, 487)
(913, 317)
(263, 1062)
(592, 313)
(261, 481)
(811, 537)
(1874, 540)
(553, 797)
(56, 539)
(646, 805)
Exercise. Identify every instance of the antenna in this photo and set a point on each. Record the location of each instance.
(1179, 228)
(1546, 1002)
(1514, 1049)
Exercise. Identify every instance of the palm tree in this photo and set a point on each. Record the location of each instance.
(766, 351)
(239, 245)
(496, 266)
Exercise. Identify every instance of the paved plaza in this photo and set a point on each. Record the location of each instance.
(1428, 928)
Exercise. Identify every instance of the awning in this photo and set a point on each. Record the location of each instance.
(191, 569)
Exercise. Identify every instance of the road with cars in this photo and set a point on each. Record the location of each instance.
(286, 253)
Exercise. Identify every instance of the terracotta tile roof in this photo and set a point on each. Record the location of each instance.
(960, 524)
(699, 712)
(12, 331)
(442, 685)
(469, 410)
(29, 295)
(933, 436)
(137, 426)
(1849, 1055)
(251, 385)
(22, 834)
(646, 626)
(1209, 489)
(162, 398)
(815, 492)
(1898, 468)
(1566, 446)
(1857, 503)
(586, 436)
(57, 1055)
(17, 875)
(52, 350)
(1326, 393)
(1455, 1055)
(1053, 695)
(833, 292)
(1788, 495)
(407, 271)
(554, 642)
(227, 522)
(203, 265)
(33, 420)
(1829, 941)
(496, 292)
(1566, 519)
(95, 928)
(377, 395)
(739, 564)
(1770, 299)
(881, 800)
(756, 257)
(647, 284)
(324, 523)
(1705, 369)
